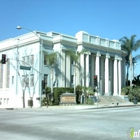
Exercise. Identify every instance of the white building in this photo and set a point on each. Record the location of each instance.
(104, 58)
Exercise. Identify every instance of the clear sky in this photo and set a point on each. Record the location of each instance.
(112, 19)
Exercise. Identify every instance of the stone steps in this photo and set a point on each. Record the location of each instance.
(111, 100)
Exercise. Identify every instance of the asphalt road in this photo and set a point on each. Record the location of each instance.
(71, 124)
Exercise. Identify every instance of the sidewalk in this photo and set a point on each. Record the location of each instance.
(80, 107)
(95, 106)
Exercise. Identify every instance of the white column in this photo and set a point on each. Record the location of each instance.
(97, 67)
(119, 69)
(68, 74)
(82, 68)
(78, 75)
(92, 70)
(87, 70)
(115, 76)
(101, 75)
(107, 74)
(111, 76)
(123, 73)
(63, 70)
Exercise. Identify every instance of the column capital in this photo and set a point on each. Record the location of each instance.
(120, 58)
(117, 57)
(98, 54)
(107, 55)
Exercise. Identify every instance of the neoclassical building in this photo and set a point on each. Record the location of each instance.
(26, 65)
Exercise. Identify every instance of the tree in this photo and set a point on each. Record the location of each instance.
(26, 77)
(134, 61)
(75, 58)
(51, 59)
(129, 45)
(136, 81)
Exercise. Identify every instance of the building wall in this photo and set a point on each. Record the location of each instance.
(11, 96)
(103, 57)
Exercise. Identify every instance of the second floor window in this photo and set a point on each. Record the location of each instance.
(28, 60)
(45, 60)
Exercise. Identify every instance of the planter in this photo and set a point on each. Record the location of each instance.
(67, 98)
(30, 103)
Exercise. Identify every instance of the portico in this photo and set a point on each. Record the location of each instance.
(104, 60)
(108, 69)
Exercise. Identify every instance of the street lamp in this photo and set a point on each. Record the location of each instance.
(40, 62)
(19, 27)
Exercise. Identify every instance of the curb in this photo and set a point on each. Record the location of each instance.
(73, 107)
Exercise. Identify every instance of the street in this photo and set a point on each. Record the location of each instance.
(68, 124)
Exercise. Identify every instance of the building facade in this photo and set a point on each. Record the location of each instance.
(26, 66)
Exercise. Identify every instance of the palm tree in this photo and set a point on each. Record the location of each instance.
(51, 59)
(129, 45)
(134, 61)
(75, 58)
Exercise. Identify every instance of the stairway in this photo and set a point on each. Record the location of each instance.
(111, 100)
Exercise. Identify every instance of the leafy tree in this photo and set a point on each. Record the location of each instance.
(130, 45)
(134, 93)
(51, 59)
(75, 56)
(136, 81)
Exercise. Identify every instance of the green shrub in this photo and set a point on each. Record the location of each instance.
(48, 90)
(89, 101)
(45, 102)
(125, 90)
(58, 91)
(134, 93)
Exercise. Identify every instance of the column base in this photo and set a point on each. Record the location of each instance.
(107, 94)
(115, 94)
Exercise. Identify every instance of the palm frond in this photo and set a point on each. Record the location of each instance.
(74, 57)
(137, 45)
(137, 57)
(51, 58)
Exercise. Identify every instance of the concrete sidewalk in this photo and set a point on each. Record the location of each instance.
(95, 106)
(67, 107)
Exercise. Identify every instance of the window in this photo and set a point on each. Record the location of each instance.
(111, 44)
(7, 101)
(72, 62)
(85, 37)
(27, 81)
(12, 80)
(31, 80)
(31, 59)
(45, 60)
(93, 39)
(46, 78)
(28, 60)
(8, 74)
(23, 61)
(72, 79)
(1, 76)
(23, 81)
(102, 41)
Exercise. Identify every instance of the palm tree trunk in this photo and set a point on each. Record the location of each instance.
(52, 81)
(74, 78)
(127, 75)
(131, 74)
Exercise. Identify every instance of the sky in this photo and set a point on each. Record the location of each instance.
(112, 19)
